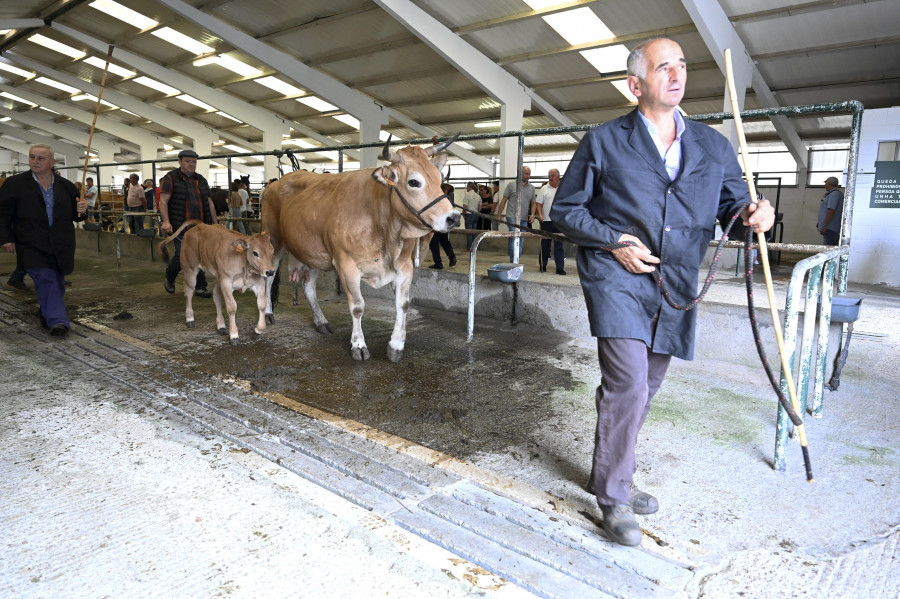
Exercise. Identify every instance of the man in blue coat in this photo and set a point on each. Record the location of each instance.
(37, 209)
(657, 180)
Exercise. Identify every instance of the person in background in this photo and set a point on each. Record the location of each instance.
(486, 207)
(659, 182)
(92, 195)
(520, 206)
(542, 205)
(442, 240)
(472, 204)
(184, 195)
(135, 201)
(150, 194)
(830, 212)
(37, 212)
(235, 202)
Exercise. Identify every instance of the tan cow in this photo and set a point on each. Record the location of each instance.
(237, 261)
(364, 224)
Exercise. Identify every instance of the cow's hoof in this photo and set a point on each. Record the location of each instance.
(257, 332)
(270, 319)
(326, 329)
(222, 331)
(190, 324)
(394, 355)
(359, 353)
(234, 341)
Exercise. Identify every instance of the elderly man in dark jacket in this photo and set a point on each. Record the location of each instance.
(37, 209)
(659, 181)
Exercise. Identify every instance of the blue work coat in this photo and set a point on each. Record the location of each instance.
(617, 183)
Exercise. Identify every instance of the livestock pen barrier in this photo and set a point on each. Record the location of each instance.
(826, 267)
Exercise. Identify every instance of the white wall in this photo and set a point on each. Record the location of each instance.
(875, 233)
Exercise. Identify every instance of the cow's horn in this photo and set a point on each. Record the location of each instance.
(386, 152)
(442, 146)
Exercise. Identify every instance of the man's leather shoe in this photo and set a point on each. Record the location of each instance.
(620, 526)
(643, 503)
(169, 286)
(59, 330)
(202, 292)
(437, 266)
(452, 261)
(560, 271)
(17, 284)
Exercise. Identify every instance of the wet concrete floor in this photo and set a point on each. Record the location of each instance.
(520, 402)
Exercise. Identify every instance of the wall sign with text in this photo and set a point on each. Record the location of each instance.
(886, 190)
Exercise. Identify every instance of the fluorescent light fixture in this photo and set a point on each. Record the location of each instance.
(235, 148)
(348, 119)
(622, 86)
(123, 13)
(278, 85)
(47, 109)
(182, 41)
(50, 44)
(579, 26)
(317, 103)
(236, 66)
(4, 31)
(129, 112)
(16, 98)
(156, 85)
(206, 60)
(487, 124)
(92, 99)
(228, 116)
(610, 59)
(168, 147)
(98, 62)
(4, 119)
(192, 100)
(58, 85)
(15, 70)
(383, 136)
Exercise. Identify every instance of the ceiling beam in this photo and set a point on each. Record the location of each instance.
(324, 86)
(718, 33)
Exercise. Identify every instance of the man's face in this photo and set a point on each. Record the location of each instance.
(188, 164)
(554, 179)
(665, 77)
(526, 174)
(40, 162)
(89, 182)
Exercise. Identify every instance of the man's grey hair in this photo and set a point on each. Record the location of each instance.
(637, 59)
(46, 147)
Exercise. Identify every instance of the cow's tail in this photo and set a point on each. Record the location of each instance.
(162, 246)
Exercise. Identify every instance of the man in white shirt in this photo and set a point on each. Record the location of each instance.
(471, 202)
(542, 205)
(91, 195)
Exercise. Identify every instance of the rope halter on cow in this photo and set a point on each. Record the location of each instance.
(387, 181)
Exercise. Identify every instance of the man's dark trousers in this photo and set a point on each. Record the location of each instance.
(174, 266)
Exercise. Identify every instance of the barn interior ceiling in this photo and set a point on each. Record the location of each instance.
(260, 75)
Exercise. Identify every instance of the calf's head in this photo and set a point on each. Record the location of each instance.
(415, 174)
(258, 252)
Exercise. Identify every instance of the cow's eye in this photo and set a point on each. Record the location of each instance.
(255, 253)
(414, 183)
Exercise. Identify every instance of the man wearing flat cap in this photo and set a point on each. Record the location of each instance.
(829, 221)
(184, 195)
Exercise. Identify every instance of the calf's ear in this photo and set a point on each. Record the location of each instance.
(240, 245)
(439, 160)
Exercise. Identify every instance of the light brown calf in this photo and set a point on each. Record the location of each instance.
(237, 261)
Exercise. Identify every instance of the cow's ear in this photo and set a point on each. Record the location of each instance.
(385, 175)
(240, 245)
(439, 160)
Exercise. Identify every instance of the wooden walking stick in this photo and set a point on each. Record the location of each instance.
(87, 155)
(764, 254)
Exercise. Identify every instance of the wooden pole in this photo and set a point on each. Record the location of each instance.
(764, 254)
(87, 156)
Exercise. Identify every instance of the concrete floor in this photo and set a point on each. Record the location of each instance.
(121, 477)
